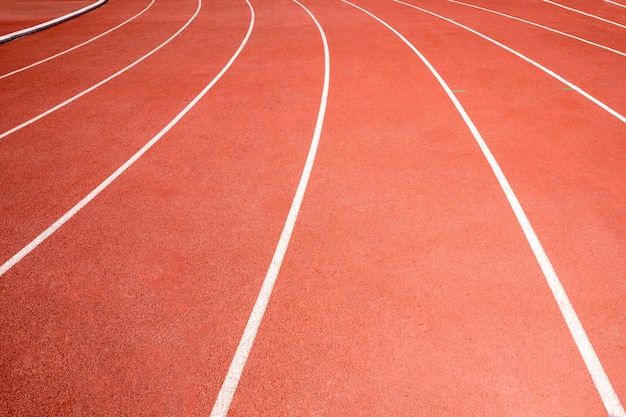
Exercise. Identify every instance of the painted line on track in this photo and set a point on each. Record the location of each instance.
(599, 377)
(106, 80)
(77, 46)
(551, 73)
(21, 33)
(616, 3)
(93, 194)
(585, 13)
(541, 26)
(229, 386)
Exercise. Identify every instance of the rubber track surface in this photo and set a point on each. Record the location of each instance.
(408, 287)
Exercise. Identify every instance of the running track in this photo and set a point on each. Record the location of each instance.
(408, 286)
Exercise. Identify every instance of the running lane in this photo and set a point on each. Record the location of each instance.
(599, 72)
(563, 156)
(50, 165)
(27, 94)
(408, 287)
(40, 45)
(19, 14)
(534, 14)
(141, 298)
(601, 11)
(566, 20)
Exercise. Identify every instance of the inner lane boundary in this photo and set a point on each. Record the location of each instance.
(24, 32)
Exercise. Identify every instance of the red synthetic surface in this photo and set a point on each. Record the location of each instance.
(408, 287)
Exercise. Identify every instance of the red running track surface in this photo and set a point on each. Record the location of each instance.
(408, 287)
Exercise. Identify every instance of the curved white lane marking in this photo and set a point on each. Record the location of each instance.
(106, 80)
(229, 386)
(600, 379)
(542, 27)
(551, 73)
(8, 74)
(616, 3)
(93, 194)
(49, 23)
(586, 14)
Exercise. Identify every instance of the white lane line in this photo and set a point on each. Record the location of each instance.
(49, 23)
(106, 80)
(93, 194)
(541, 26)
(586, 14)
(551, 73)
(600, 379)
(616, 3)
(77, 46)
(229, 386)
